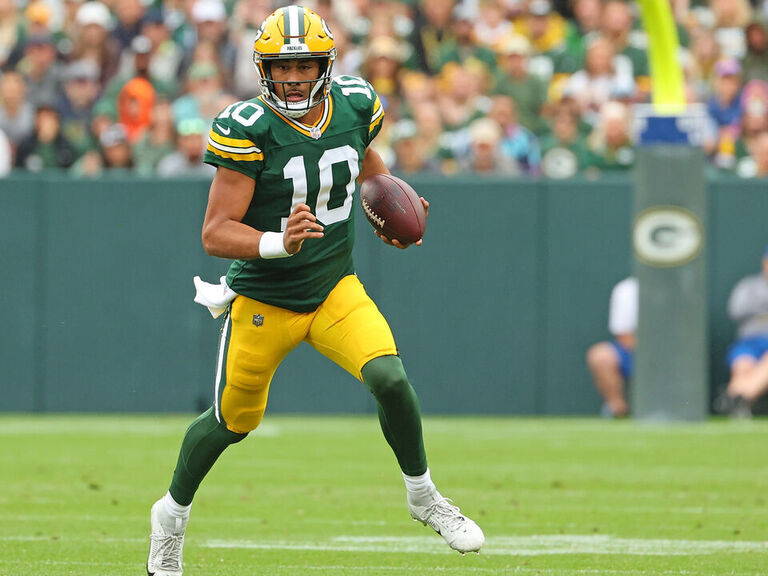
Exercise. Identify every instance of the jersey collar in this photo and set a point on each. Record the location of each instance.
(314, 131)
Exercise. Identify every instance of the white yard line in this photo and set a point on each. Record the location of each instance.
(540, 545)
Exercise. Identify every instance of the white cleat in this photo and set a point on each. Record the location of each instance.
(166, 542)
(461, 533)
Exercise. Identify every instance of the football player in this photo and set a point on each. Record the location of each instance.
(280, 205)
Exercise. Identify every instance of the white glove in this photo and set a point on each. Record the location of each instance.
(215, 297)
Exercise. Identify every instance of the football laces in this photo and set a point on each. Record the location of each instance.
(372, 215)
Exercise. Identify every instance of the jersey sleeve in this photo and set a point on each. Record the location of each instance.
(365, 103)
(234, 145)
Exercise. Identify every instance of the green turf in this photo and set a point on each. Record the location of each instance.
(323, 496)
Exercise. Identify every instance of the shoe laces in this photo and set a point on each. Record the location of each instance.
(169, 549)
(446, 514)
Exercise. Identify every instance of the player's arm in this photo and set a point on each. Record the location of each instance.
(224, 233)
(372, 165)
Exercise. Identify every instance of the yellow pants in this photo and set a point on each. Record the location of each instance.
(347, 328)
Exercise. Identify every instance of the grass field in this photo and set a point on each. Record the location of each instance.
(323, 496)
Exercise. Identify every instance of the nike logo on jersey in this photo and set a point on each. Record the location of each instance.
(223, 130)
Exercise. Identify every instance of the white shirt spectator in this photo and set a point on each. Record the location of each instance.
(622, 317)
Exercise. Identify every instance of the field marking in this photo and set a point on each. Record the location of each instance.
(539, 545)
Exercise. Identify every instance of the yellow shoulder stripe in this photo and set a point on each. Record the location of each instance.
(236, 142)
(236, 155)
(376, 105)
(376, 122)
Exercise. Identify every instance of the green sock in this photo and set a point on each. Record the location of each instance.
(399, 413)
(205, 440)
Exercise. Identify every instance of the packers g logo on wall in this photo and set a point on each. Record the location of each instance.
(667, 236)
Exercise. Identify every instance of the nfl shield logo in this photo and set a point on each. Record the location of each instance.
(258, 320)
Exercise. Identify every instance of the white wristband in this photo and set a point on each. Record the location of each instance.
(271, 245)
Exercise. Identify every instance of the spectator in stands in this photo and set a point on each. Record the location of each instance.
(75, 105)
(610, 146)
(543, 27)
(755, 64)
(593, 86)
(382, 64)
(17, 115)
(46, 148)
(492, 25)
(748, 356)
(203, 96)
(129, 15)
(114, 155)
(411, 151)
(610, 362)
(11, 29)
(210, 20)
(40, 68)
(617, 27)
(724, 107)
(514, 80)
(134, 107)
(518, 143)
(569, 57)
(705, 53)
(158, 141)
(246, 19)
(460, 102)
(462, 46)
(485, 153)
(564, 149)
(431, 27)
(756, 164)
(187, 159)
(92, 41)
(38, 16)
(165, 55)
(731, 18)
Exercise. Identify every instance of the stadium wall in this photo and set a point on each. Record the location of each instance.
(492, 315)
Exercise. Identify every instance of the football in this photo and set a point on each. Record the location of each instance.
(393, 208)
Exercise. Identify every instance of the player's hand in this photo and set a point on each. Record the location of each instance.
(394, 241)
(301, 225)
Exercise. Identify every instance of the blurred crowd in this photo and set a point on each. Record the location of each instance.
(517, 87)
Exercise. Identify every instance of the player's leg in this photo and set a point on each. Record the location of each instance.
(604, 362)
(349, 329)
(255, 339)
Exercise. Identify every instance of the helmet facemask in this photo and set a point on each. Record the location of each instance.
(274, 91)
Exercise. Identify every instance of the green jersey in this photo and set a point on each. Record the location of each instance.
(293, 163)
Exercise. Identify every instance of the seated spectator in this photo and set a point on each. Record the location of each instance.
(631, 59)
(164, 54)
(158, 141)
(748, 356)
(610, 146)
(40, 69)
(725, 106)
(210, 22)
(412, 154)
(594, 85)
(75, 105)
(705, 53)
(485, 153)
(203, 96)
(517, 142)
(114, 155)
(610, 362)
(382, 64)
(460, 102)
(462, 46)
(187, 159)
(492, 25)
(11, 30)
(569, 57)
(92, 41)
(514, 80)
(542, 26)
(17, 115)
(564, 149)
(731, 17)
(129, 15)
(134, 107)
(756, 164)
(755, 63)
(431, 27)
(46, 148)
